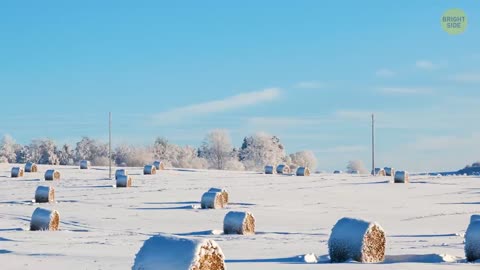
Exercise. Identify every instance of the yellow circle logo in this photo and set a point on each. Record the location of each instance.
(454, 21)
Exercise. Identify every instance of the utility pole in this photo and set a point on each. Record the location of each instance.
(373, 144)
(110, 145)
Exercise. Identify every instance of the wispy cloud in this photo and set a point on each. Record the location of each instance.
(221, 105)
(385, 73)
(310, 85)
(284, 121)
(426, 65)
(405, 90)
(472, 77)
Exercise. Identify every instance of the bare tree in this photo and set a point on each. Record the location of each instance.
(217, 149)
(356, 165)
(305, 159)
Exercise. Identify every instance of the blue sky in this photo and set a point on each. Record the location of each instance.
(309, 72)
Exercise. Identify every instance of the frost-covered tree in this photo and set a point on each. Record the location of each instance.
(127, 155)
(261, 149)
(304, 158)
(66, 155)
(356, 165)
(21, 153)
(161, 149)
(47, 151)
(7, 149)
(217, 149)
(92, 150)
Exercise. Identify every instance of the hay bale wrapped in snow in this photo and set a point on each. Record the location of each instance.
(389, 171)
(17, 172)
(212, 200)
(120, 172)
(401, 177)
(224, 194)
(239, 223)
(159, 165)
(472, 239)
(124, 181)
(337, 172)
(356, 239)
(31, 167)
(51, 175)
(379, 172)
(303, 171)
(175, 253)
(283, 169)
(44, 220)
(149, 169)
(44, 194)
(269, 169)
(84, 164)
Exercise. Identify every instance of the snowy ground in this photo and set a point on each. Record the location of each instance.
(103, 227)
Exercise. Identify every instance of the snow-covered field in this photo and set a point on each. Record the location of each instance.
(103, 227)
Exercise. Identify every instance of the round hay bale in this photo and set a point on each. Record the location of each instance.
(356, 239)
(389, 171)
(159, 165)
(337, 172)
(124, 181)
(269, 169)
(283, 169)
(31, 167)
(17, 172)
(44, 194)
(175, 253)
(212, 200)
(401, 177)
(149, 169)
(51, 175)
(84, 164)
(239, 223)
(303, 171)
(120, 172)
(474, 218)
(472, 240)
(379, 172)
(224, 194)
(44, 220)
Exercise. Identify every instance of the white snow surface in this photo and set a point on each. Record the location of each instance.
(103, 227)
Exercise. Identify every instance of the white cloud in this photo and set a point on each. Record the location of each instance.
(310, 85)
(404, 90)
(426, 65)
(472, 77)
(221, 105)
(385, 73)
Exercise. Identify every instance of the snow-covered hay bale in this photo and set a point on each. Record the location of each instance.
(379, 172)
(44, 194)
(269, 169)
(31, 167)
(212, 200)
(175, 253)
(474, 218)
(239, 223)
(337, 172)
(159, 165)
(224, 194)
(17, 172)
(51, 175)
(472, 240)
(84, 164)
(283, 169)
(44, 220)
(389, 171)
(120, 172)
(303, 171)
(356, 239)
(401, 177)
(124, 181)
(149, 169)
